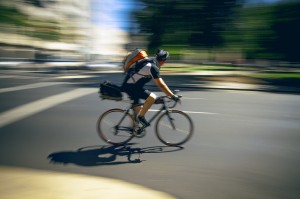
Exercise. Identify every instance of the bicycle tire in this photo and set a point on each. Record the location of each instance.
(174, 128)
(110, 132)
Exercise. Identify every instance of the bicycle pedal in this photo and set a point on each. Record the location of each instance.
(139, 132)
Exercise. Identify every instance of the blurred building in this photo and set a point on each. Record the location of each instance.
(59, 29)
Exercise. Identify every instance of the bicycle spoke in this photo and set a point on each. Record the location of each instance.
(108, 122)
(168, 125)
(174, 128)
(114, 127)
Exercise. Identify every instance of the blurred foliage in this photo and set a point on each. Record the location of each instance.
(268, 31)
(21, 24)
(185, 23)
(271, 32)
(11, 16)
(286, 26)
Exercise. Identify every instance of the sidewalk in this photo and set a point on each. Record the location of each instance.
(21, 183)
(225, 80)
(222, 80)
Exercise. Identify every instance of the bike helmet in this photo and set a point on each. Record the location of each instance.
(162, 55)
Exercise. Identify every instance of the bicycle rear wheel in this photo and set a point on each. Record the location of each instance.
(115, 127)
(174, 128)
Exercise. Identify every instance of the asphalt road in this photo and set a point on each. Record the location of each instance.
(245, 144)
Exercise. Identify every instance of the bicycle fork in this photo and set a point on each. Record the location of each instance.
(171, 120)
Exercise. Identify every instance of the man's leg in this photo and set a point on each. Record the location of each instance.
(147, 104)
(137, 109)
(141, 110)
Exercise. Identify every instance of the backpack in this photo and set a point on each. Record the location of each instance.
(110, 91)
(133, 57)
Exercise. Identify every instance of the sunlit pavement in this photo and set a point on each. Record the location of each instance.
(20, 183)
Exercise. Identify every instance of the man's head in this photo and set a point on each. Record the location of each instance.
(162, 56)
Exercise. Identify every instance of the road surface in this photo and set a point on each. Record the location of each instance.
(245, 144)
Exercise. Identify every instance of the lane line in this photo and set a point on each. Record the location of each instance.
(192, 112)
(74, 77)
(32, 108)
(193, 98)
(199, 112)
(17, 76)
(30, 86)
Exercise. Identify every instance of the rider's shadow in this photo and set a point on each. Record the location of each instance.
(107, 155)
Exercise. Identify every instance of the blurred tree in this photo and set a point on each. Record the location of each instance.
(266, 31)
(271, 32)
(196, 23)
(255, 31)
(287, 32)
(20, 23)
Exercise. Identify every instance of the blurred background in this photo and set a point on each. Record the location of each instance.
(227, 33)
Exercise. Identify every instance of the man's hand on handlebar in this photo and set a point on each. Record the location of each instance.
(176, 98)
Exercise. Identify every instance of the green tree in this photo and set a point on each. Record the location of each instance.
(194, 23)
(270, 32)
(287, 32)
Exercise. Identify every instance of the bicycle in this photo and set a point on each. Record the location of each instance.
(173, 127)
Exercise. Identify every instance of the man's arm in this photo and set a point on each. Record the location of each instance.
(163, 86)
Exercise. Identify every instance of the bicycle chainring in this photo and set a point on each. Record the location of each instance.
(139, 132)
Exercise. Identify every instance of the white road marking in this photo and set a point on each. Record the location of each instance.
(7, 76)
(199, 112)
(17, 77)
(191, 112)
(247, 92)
(193, 98)
(30, 86)
(74, 77)
(32, 108)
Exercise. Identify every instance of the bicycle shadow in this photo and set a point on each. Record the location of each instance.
(107, 155)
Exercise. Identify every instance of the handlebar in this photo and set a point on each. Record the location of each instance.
(174, 102)
(167, 99)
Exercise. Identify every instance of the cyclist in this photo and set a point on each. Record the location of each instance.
(136, 78)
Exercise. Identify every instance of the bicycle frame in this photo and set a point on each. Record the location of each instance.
(117, 127)
(162, 108)
(121, 131)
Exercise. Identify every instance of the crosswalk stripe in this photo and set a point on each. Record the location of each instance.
(30, 86)
(17, 77)
(74, 76)
(32, 108)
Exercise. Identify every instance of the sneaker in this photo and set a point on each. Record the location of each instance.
(142, 120)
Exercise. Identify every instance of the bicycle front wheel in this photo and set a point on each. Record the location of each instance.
(115, 127)
(174, 128)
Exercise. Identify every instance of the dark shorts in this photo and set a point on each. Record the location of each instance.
(136, 93)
